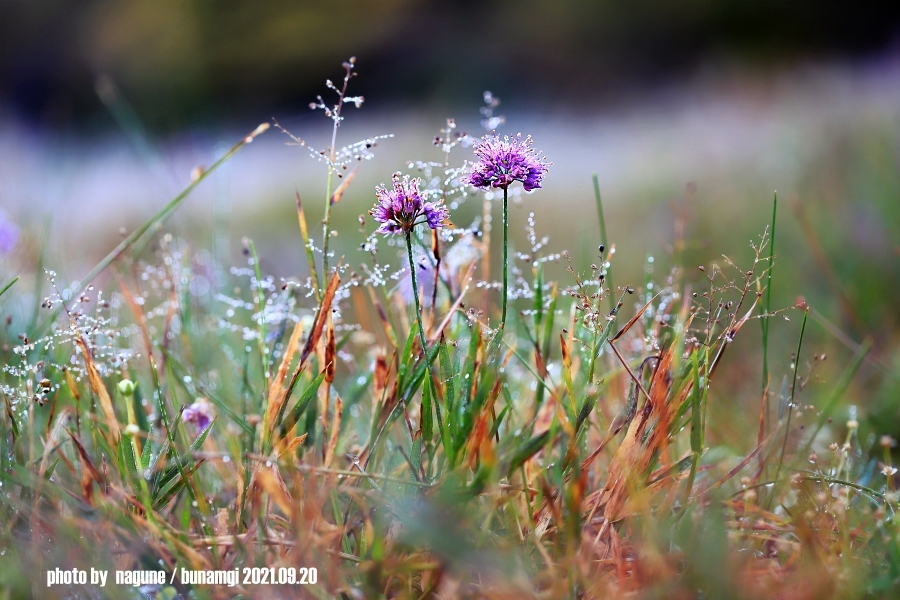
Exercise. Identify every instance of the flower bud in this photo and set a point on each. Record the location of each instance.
(126, 388)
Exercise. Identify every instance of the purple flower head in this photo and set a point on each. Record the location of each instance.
(402, 207)
(199, 414)
(503, 161)
(9, 234)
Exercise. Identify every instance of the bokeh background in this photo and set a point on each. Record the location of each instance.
(696, 111)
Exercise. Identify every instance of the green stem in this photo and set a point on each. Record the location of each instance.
(326, 232)
(415, 287)
(603, 239)
(263, 347)
(326, 219)
(765, 322)
(787, 427)
(8, 285)
(505, 254)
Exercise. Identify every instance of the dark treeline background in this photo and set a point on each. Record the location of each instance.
(183, 62)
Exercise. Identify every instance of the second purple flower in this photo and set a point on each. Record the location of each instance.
(401, 207)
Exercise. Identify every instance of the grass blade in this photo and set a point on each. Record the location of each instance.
(603, 238)
(302, 403)
(9, 285)
(790, 406)
(158, 219)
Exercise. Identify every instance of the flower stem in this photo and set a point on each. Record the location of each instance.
(505, 254)
(326, 220)
(415, 287)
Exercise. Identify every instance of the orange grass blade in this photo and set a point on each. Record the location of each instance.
(339, 192)
(100, 389)
(633, 320)
(277, 395)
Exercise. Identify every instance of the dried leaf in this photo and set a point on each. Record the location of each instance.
(277, 395)
(339, 192)
(89, 472)
(633, 320)
(73, 387)
(100, 389)
(479, 439)
(379, 382)
(335, 430)
(315, 334)
(436, 245)
(329, 352)
(319, 324)
(270, 481)
(293, 444)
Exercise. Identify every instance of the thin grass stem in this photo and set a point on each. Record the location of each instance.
(765, 322)
(790, 410)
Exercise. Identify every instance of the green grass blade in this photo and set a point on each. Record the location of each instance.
(449, 376)
(302, 403)
(158, 219)
(527, 450)
(185, 459)
(9, 285)
(427, 413)
(145, 455)
(696, 425)
(407, 356)
(603, 237)
(220, 404)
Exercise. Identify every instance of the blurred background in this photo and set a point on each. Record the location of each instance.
(695, 111)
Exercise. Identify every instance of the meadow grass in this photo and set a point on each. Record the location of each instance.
(382, 426)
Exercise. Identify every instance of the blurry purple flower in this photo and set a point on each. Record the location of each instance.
(503, 161)
(424, 278)
(199, 414)
(456, 260)
(9, 233)
(402, 207)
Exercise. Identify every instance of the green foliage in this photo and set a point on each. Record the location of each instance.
(564, 455)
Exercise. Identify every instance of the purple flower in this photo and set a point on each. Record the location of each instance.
(402, 207)
(199, 414)
(503, 161)
(9, 233)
